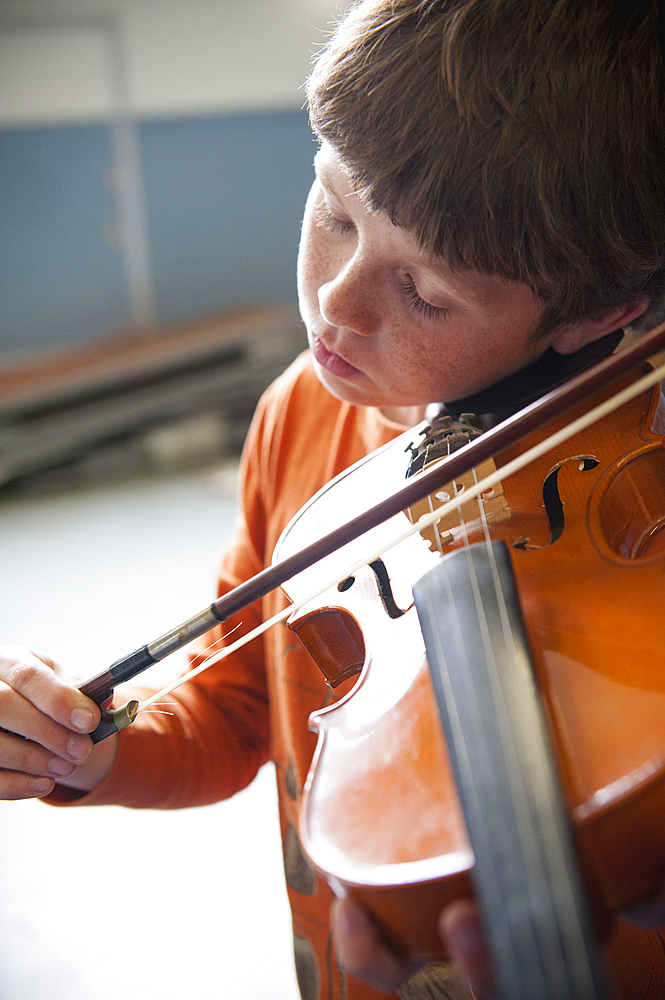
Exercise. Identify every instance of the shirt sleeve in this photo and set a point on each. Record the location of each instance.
(218, 734)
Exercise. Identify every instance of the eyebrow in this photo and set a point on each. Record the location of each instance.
(324, 175)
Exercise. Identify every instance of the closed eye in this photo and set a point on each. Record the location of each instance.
(327, 220)
(418, 303)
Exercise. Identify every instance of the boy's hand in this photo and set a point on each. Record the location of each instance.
(53, 717)
(649, 914)
(461, 932)
(364, 954)
(362, 951)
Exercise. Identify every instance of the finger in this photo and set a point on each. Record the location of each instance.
(19, 717)
(463, 937)
(36, 681)
(29, 758)
(362, 950)
(15, 785)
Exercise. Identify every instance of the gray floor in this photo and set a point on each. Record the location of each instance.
(110, 903)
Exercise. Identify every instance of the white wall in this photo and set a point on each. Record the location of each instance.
(183, 57)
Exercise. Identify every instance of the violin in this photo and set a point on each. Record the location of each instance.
(583, 531)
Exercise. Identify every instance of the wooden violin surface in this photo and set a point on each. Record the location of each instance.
(585, 525)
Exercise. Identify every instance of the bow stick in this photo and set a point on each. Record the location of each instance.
(492, 442)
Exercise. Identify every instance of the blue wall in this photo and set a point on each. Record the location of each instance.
(224, 196)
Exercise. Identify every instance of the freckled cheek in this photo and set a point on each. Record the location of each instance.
(414, 356)
(313, 265)
(436, 362)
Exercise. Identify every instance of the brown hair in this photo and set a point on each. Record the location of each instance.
(523, 138)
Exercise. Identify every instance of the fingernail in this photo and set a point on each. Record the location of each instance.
(82, 719)
(61, 767)
(40, 785)
(79, 747)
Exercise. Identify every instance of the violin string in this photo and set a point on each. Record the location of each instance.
(533, 860)
(507, 736)
(430, 502)
(461, 742)
(444, 496)
(459, 631)
(435, 526)
(509, 469)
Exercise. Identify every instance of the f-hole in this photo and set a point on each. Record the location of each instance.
(378, 567)
(552, 497)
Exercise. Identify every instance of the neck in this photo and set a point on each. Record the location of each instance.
(547, 372)
(407, 416)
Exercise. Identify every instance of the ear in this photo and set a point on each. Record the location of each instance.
(574, 336)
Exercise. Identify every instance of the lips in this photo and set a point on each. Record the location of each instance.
(332, 362)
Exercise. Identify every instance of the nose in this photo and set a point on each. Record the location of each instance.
(350, 299)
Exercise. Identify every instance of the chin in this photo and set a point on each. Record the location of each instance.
(347, 391)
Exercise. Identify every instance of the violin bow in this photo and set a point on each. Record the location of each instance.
(492, 442)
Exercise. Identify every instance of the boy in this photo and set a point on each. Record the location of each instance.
(488, 204)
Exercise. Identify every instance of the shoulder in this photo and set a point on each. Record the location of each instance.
(300, 438)
(298, 388)
(294, 415)
(301, 426)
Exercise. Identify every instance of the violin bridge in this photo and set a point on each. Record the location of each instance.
(491, 505)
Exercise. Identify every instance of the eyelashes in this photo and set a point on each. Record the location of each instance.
(327, 220)
(418, 304)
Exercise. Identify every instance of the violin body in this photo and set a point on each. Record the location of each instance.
(585, 526)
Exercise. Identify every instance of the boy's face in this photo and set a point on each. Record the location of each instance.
(388, 325)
